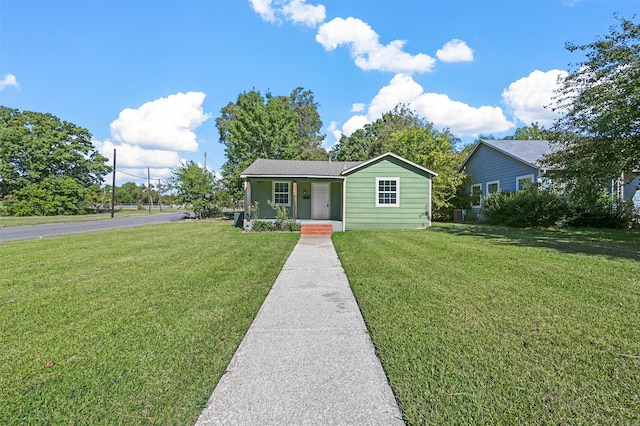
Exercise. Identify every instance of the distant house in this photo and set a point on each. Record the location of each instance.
(509, 165)
(503, 165)
(386, 192)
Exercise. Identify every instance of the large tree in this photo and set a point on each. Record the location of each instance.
(196, 187)
(403, 132)
(47, 166)
(274, 127)
(598, 136)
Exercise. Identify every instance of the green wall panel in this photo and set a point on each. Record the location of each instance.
(414, 196)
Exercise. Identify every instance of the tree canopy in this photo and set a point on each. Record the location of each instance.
(535, 132)
(274, 127)
(598, 135)
(47, 166)
(195, 186)
(403, 132)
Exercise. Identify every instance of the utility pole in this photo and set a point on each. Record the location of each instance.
(159, 196)
(149, 189)
(113, 185)
(205, 161)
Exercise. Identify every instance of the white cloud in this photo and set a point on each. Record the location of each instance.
(354, 123)
(333, 129)
(462, 119)
(130, 156)
(366, 49)
(153, 135)
(166, 123)
(9, 80)
(296, 11)
(443, 112)
(299, 12)
(455, 51)
(358, 107)
(528, 96)
(264, 9)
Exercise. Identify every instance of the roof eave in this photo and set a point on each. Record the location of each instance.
(272, 176)
(388, 154)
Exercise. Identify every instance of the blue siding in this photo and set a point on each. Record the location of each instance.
(488, 165)
(632, 191)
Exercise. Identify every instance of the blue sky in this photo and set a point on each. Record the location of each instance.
(149, 77)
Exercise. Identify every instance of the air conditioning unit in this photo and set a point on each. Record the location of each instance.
(459, 215)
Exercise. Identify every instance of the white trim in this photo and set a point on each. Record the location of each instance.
(519, 178)
(397, 181)
(273, 192)
(389, 154)
(479, 185)
(344, 205)
(430, 204)
(497, 182)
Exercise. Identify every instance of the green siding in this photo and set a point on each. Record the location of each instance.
(414, 191)
(262, 190)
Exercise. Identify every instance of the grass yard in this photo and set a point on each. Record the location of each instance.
(133, 326)
(485, 325)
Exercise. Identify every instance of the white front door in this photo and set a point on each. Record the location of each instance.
(320, 208)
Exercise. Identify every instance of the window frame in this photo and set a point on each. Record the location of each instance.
(476, 185)
(273, 192)
(493, 182)
(397, 191)
(523, 177)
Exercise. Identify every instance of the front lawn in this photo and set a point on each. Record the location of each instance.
(487, 325)
(133, 326)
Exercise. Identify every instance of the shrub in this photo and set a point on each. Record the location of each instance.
(263, 226)
(599, 211)
(281, 223)
(531, 207)
(282, 215)
(291, 226)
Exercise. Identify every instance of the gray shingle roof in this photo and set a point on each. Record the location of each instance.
(527, 151)
(262, 167)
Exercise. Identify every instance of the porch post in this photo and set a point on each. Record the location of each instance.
(247, 201)
(295, 200)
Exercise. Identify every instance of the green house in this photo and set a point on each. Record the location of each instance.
(386, 192)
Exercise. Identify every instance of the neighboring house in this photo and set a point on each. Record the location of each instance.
(503, 165)
(386, 192)
(509, 165)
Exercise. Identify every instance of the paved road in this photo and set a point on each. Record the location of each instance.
(40, 231)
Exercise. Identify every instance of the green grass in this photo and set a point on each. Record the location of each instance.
(140, 323)
(487, 325)
(13, 221)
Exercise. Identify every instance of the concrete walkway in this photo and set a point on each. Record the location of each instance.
(307, 359)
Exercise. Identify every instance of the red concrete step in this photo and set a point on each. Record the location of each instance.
(316, 229)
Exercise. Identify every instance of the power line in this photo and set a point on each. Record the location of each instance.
(139, 177)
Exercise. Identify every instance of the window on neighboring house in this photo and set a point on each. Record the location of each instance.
(281, 193)
(476, 194)
(523, 181)
(493, 187)
(387, 192)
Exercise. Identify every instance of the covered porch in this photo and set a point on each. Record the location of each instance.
(307, 200)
